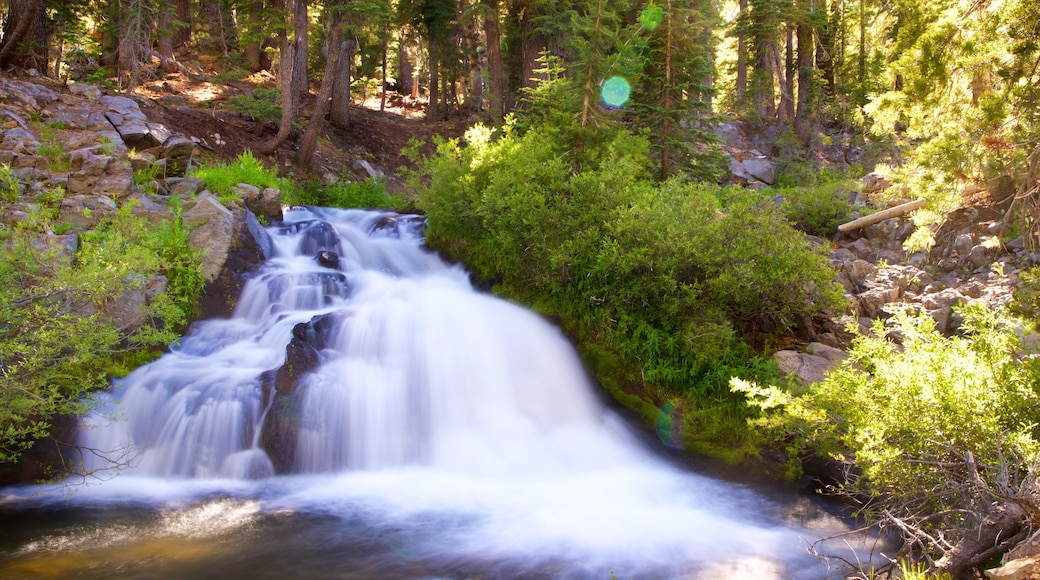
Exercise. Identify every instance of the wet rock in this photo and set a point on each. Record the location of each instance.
(233, 244)
(266, 203)
(328, 259)
(318, 236)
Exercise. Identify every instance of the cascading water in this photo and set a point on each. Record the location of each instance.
(364, 409)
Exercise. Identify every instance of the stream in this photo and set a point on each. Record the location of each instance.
(418, 429)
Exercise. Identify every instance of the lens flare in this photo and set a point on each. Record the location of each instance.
(615, 92)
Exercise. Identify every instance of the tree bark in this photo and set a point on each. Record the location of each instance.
(433, 109)
(252, 27)
(310, 137)
(1004, 527)
(165, 29)
(25, 41)
(339, 113)
(286, 79)
(496, 70)
(300, 25)
(805, 113)
(742, 55)
(787, 77)
(182, 31)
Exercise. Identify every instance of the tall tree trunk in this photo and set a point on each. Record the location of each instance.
(386, 50)
(404, 66)
(805, 113)
(339, 115)
(310, 137)
(252, 27)
(787, 80)
(433, 109)
(531, 47)
(182, 30)
(742, 54)
(25, 41)
(286, 78)
(165, 29)
(825, 50)
(300, 25)
(496, 71)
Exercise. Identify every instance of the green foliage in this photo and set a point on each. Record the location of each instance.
(265, 106)
(222, 179)
(819, 209)
(1027, 297)
(57, 341)
(907, 415)
(670, 276)
(9, 185)
(370, 193)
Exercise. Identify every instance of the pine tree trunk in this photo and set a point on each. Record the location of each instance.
(805, 115)
(339, 113)
(253, 25)
(433, 109)
(25, 41)
(309, 143)
(787, 80)
(496, 70)
(165, 30)
(290, 93)
(300, 25)
(404, 67)
(182, 32)
(742, 56)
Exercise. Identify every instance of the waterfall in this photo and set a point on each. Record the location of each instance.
(365, 408)
(413, 367)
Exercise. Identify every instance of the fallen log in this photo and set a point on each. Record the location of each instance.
(882, 215)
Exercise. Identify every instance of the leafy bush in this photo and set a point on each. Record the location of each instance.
(818, 209)
(245, 169)
(370, 193)
(56, 343)
(668, 276)
(9, 185)
(932, 424)
(265, 106)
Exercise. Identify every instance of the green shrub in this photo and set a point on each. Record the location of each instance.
(265, 106)
(56, 345)
(818, 209)
(221, 179)
(370, 193)
(908, 416)
(671, 277)
(10, 188)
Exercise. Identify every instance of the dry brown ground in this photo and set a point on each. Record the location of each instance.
(200, 109)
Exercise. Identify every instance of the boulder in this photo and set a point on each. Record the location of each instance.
(91, 92)
(760, 168)
(178, 153)
(807, 367)
(233, 244)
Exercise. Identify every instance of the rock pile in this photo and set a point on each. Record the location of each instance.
(92, 153)
(971, 262)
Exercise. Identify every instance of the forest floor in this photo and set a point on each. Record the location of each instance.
(205, 110)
